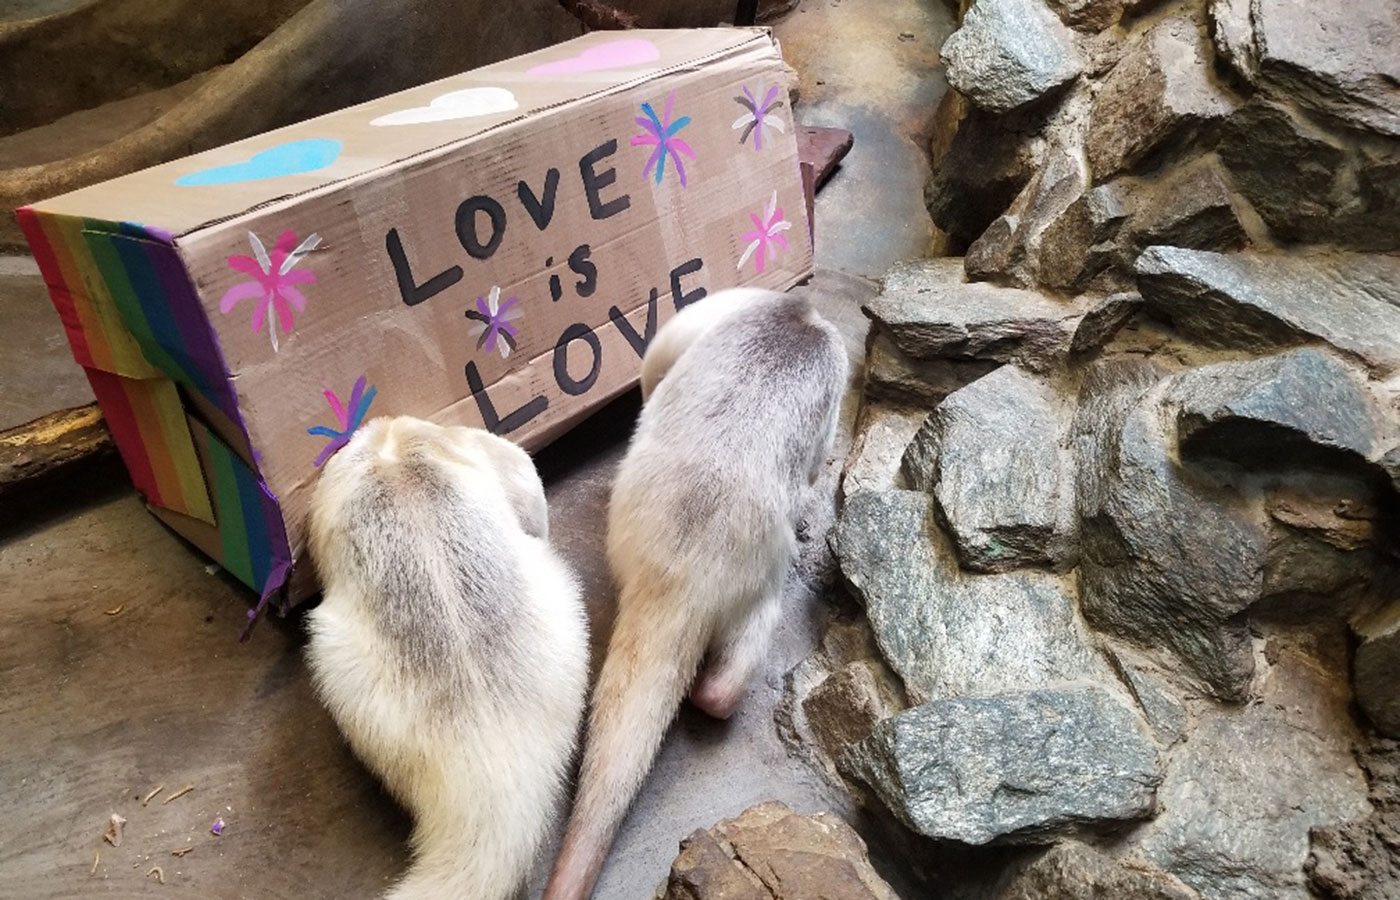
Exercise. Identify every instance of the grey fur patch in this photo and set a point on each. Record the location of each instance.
(443, 583)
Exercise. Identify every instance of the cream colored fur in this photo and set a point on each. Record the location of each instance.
(450, 645)
(743, 395)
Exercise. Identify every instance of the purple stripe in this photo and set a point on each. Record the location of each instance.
(196, 333)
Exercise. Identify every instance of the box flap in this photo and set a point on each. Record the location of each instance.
(184, 195)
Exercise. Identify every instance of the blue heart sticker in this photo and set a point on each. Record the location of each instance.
(285, 159)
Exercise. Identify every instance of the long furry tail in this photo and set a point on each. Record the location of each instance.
(656, 648)
(485, 826)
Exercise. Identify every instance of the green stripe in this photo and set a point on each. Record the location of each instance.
(114, 274)
(232, 528)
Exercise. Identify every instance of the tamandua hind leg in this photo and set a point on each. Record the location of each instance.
(734, 656)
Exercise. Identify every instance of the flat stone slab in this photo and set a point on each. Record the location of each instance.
(991, 455)
(948, 632)
(1011, 767)
(931, 311)
(1300, 407)
(1256, 301)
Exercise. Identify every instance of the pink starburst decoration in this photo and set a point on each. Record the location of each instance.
(766, 236)
(274, 282)
(660, 132)
(349, 415)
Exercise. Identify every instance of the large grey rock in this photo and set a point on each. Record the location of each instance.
(1088, 15)
(769, 852)
(1376, 669)
(1009, 250)
(991, 455)
(1302, 407)
(1106, 227)
(1161, 93)
(893, 376)
(931, 311)
(947, 632)
(979, 163)
(1309, 185)
(882, 434)
(1020, 767)
(1009, 53)
(1104, 319)
(1267, 301)
(1165, 559)
(1339, 60)
(1075, 871)
(1081, 242)
(1243, 791)
(1192, 207)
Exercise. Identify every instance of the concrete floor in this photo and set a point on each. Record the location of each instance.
(119, 669)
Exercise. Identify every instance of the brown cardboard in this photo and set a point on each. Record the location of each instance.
(416, 218)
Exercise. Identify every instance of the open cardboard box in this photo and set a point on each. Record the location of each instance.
(493, 249)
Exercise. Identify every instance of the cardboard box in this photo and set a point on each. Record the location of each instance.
(492, 249)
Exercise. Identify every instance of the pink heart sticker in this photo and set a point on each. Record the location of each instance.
(612, 55)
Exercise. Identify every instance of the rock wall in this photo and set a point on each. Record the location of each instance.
(1122, 517)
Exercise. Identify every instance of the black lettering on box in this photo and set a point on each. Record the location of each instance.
(493, 422)
(412, 292)
(593, 182)
(581, 265)
(466, 225)
(567, 383)
(541, 210)
(639, 342)
(689, 267)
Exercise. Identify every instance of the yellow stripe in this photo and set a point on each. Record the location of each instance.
(102, 322)
(170, 413)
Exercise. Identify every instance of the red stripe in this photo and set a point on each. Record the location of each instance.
(59, 291)
(121, 421)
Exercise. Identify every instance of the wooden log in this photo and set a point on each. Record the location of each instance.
(60, 442)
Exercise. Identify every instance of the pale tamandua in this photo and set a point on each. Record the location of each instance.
(450, 645)
(743, 394)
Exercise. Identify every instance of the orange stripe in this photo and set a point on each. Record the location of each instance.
(157, 447)
(101, 319)
(64, 251)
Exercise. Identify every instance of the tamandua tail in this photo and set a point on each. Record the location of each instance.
(652, 660)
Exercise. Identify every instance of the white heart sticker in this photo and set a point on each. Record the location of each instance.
(464, 104)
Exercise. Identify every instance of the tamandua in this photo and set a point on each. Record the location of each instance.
(450, 645)
(744, 391)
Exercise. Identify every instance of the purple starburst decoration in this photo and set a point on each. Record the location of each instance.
(660, 133)
(759, 115)
(349, 415)
(494, 319)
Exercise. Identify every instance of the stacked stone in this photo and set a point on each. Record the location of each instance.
(1122, 514)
